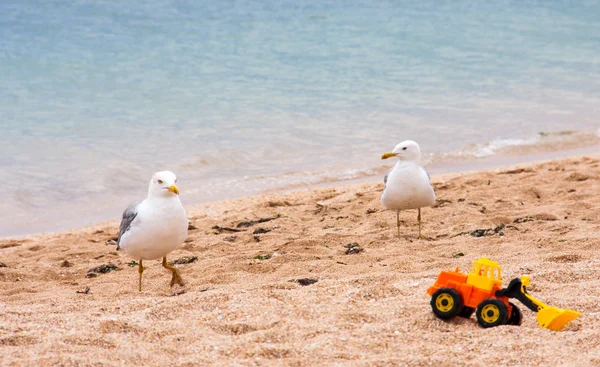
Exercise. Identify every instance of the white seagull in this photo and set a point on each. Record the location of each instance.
(152, 228)
(407, 184)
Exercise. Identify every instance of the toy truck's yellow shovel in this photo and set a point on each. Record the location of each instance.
(554, 318)
(548, 317)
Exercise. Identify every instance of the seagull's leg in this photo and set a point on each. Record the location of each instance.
(140, 271)
(398, 221)
(176, 279)
(419, 219)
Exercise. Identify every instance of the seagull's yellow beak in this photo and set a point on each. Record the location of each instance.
(174, 189)
(388, 155)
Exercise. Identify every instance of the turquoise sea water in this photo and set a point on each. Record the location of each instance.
(238, 97)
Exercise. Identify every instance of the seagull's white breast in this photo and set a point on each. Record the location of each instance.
(160, 227)
(407, 187)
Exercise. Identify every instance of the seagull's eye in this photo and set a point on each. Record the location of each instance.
(404, 148)
(160, 182)
(175, 180)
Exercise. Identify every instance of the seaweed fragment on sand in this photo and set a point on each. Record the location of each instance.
(306, 281)
(261, 230)
(10, 244)
(263, 257)
(226, 229)
(489, 231)
(250, 223)
(102, 269)
(86, 290)
(517, 171)
(353, 248)
(484, 232)
(185, 260)
(524, 219)
(541, 216)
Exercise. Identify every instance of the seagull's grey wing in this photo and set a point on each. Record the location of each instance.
(128, 216)
(385, 178)
(427, 173)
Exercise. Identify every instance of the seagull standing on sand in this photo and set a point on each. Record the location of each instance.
(152, 228)
(407, 184)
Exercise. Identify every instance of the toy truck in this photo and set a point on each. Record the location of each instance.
(457, 294)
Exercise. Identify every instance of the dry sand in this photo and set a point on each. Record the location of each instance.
(369, 308)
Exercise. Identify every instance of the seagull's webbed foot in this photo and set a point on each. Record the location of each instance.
(176, 278)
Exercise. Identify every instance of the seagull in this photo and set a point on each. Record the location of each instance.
(152, 228)
(407, 184)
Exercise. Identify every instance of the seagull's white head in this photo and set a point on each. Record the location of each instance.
(163, 184)
(408, 151)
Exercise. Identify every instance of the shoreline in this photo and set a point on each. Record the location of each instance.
(443, 168)
(243, 303)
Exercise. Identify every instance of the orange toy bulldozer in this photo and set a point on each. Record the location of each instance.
(458, 294)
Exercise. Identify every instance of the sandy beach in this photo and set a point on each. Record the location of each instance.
(269, 281)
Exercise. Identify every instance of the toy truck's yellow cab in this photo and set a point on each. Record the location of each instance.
(485, 274)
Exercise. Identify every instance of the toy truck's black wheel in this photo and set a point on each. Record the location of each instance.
(466, 312)
(516, 317)
(446, 303)
(491, 312)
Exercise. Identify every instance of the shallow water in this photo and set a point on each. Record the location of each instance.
(238, 97)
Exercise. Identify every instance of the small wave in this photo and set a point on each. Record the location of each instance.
(542, 142)
(491, 148)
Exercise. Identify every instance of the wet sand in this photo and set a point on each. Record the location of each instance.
(284, 291)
